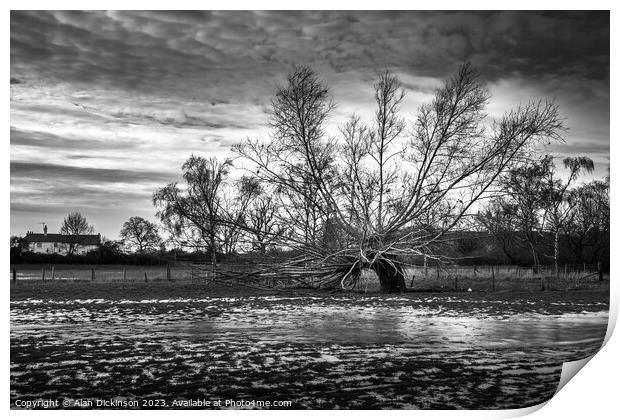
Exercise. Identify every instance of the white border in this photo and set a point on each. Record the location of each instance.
(593, 394)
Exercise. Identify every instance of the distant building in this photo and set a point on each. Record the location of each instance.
(56, 243)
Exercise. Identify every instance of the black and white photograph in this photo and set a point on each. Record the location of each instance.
(306, 209)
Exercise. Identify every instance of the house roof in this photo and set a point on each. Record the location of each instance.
(65, 239)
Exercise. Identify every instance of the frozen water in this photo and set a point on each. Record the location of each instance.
(321, 352)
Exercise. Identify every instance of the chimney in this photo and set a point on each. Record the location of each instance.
(45, 230)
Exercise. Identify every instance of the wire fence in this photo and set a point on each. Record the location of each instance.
(109, 274)
(497, 277)
(457, 278)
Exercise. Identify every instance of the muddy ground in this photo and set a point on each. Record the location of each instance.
(169, 342)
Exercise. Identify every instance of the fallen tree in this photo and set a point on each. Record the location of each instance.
(388, 189)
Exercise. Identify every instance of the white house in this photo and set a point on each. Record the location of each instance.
(56, 243)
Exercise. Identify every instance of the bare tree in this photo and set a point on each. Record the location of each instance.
(536, 201)
(589, 221)
(526, 191)
(75, 224)
(448, 160)
(388, 127)
(500, 218)
(140, 234)
(231, 231)
(299, 152)
(263, 222)
(235, 209)
(559, 209)
(194, 211)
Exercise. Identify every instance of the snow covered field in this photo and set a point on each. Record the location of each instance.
(342, 351)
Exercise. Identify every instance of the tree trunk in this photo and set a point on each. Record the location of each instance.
(556, 252)
(534, 258)
(507, 253)
(213, 255)
(391, 276)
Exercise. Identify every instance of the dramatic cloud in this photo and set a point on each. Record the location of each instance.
(95, 175)
(106, 106)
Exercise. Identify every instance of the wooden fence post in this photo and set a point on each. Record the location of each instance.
(599, 267)
(92, 274)
(146, 279)
(456, 283)
(43, 274)
(168, 277)
(124, 274)
(14, 276)
(53, 270)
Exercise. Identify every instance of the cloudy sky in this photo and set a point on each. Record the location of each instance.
(106, 106)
